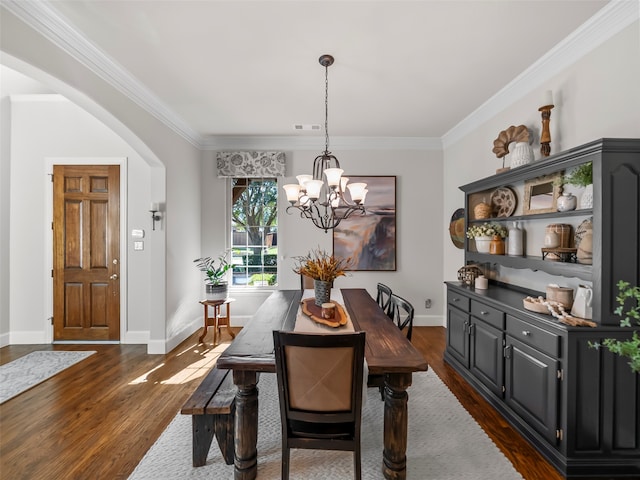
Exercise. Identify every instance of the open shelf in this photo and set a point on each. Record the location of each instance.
(564, 269)
(516, 218)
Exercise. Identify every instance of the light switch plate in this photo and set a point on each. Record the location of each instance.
(138, 245)
(137, 233)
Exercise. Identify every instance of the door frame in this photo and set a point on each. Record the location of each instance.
(48, 238)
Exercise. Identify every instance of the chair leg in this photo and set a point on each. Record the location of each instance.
(285, 462)
(357, 463)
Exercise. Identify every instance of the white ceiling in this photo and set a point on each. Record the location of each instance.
(250, 68)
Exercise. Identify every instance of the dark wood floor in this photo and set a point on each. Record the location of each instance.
(97, 419)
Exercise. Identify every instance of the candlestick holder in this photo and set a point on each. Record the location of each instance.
(545, 137)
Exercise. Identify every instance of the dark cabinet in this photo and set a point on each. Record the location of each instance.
(578, 406)
(531, 387)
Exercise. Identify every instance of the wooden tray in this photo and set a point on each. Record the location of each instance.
(314, 312)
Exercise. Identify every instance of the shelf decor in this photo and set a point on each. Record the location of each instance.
(541, 194)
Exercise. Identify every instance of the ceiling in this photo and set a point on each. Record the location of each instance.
(250, 68)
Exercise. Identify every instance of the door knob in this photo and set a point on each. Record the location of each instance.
(114, 276)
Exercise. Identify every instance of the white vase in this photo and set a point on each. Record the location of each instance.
(522, 154)
(483, 244)
(566, 202)
(586, 201)
(515, 245)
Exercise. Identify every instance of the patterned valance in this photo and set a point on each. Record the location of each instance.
(251, 164)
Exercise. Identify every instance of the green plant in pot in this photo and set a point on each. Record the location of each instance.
(582, 176)
(215, 270)
(626, 348)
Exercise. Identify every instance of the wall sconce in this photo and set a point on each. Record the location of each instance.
(155, 217)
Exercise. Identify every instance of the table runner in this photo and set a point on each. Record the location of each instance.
(304, 324)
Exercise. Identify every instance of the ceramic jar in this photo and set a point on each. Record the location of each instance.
(551, 239)
(496, 246)
(522, 154)
(515, 243)
(567, 202)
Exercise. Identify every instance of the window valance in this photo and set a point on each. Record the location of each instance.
(251, 164)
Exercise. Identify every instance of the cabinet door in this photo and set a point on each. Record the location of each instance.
(458, 335)
(486, 355)
(532, 387)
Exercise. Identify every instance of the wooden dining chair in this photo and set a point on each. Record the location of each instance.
(402, 314)
(320, 392)
(383, 298)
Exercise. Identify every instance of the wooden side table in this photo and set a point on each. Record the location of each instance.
(217, 320)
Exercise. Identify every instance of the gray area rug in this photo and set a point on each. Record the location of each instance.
(445, 443)
(34, 368)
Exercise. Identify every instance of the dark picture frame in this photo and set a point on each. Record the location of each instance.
(370, 239)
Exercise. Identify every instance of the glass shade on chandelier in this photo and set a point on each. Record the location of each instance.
(321, 197)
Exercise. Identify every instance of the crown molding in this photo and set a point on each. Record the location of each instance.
(315, 143)
(610, 20)
(46, 21)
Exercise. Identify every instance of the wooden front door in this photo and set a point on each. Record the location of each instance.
(86, 252)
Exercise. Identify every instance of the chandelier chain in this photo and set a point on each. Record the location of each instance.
(326, 108)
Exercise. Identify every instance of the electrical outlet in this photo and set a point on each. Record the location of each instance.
(427, 303)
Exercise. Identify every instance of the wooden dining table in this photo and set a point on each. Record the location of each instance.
(387, 353)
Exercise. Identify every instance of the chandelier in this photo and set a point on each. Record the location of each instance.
(320, 197)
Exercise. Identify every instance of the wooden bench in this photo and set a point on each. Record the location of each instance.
(212, 407)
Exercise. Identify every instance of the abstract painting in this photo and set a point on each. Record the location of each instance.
(370, 239)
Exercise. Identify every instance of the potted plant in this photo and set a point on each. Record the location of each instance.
(215, 270)
(626, 348)
(582, 176)
(484, 233)
(324, 269)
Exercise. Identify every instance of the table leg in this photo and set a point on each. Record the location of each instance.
(394, 459)
(204, 330)
(246, 425)
(229, 331)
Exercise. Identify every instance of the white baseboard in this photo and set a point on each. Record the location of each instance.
(429, 321)
(27, 338)
(4, 340)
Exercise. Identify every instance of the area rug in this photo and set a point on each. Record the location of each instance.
(34, 368)
(445, 443)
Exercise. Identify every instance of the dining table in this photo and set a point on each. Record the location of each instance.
(387, 353)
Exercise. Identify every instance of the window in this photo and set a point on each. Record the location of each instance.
(254, 231)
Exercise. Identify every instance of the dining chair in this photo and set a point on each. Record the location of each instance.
(402, 314)
(320, 392)
(306, 282)
(383, 298)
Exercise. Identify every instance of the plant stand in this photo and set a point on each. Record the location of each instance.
(217, 320)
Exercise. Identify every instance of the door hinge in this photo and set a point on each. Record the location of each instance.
(52, 273)
(51, 318)
(560, 374)
(51, 175)
(504, 389)
(559, 434)
(506, 351)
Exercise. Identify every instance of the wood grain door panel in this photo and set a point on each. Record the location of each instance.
(86, 252)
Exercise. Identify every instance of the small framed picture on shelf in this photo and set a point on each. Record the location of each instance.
(541, 194)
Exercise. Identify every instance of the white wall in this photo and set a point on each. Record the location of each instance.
(42, 127)
(174, 172)
(595, 97)
(419, 223)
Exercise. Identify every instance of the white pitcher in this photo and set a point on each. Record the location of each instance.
(582, 303)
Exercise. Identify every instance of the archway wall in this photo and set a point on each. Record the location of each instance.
(173, 285)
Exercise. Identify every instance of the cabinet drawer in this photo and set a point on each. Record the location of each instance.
(544, 341)
(458, 301)
(488, 314)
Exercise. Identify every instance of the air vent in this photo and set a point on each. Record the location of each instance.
(300, 126)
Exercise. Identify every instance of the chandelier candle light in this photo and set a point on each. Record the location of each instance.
(320, 197)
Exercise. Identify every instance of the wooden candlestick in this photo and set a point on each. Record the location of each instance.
(545, 137)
